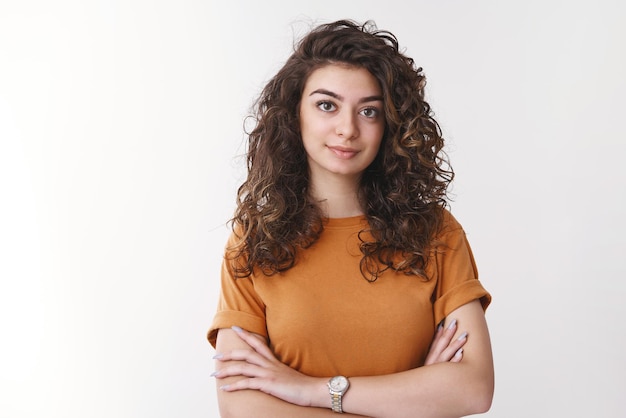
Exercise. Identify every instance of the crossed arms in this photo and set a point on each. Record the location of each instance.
(456, 380)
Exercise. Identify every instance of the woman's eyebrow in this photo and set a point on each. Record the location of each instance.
(339, 97)
(327, 93)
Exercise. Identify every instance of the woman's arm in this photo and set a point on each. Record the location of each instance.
(439, 390)
(450, 388)
(248, 403)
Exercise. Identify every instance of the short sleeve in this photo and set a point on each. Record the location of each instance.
(455, 271)
(239, 304)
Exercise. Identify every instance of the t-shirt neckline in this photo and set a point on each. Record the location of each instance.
(350, 221)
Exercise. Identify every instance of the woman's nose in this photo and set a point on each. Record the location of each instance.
(347, 126)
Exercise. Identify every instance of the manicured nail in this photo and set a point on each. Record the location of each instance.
(215, 373)
(440, 327)
(218, 356)
(462, 336)
(458, 352)
(236, 328)
(452, 324)
(225, 387)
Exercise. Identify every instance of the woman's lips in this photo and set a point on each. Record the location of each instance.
(343, 153)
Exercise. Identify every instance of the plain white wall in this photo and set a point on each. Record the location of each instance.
(120, 124)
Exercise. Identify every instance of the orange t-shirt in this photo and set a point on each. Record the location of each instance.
(323, 318)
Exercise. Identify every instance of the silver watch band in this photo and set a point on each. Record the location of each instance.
(336, 402)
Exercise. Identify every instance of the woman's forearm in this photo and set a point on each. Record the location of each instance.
(439, 390)
(254, 381)
(256, 403)
(252, 403)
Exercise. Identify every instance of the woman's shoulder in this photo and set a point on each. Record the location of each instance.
(448, 221)
(450, 229)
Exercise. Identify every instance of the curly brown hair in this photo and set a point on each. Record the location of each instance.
(403, 192)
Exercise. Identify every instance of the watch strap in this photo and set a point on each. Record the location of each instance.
(336, 402)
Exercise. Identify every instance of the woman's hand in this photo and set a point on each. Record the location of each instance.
(266, 373)
(444, 348)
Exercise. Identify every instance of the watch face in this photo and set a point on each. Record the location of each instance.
(338, 383)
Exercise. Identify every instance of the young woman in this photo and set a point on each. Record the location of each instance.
(347, 285)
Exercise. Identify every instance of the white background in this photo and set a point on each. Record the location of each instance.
(120, 130)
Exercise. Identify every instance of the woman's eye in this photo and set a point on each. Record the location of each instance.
(370, 112)
(326, 106)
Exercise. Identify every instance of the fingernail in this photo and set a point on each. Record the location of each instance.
(452, 324)
(225, 387)
(440, 327)
(462, 336)
(236, 328)
(458, 352)
(218, 356)
(215, 373)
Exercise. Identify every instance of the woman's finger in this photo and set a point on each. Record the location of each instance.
(458, 356)
(444, 348)
(254, 342)
(441, 341)
(453, 348)
(240, 369)
(249, 356)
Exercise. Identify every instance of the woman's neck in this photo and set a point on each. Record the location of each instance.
(337, 199)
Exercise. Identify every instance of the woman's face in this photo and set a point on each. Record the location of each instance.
(341, 121)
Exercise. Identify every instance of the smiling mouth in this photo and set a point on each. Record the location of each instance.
(343, 153)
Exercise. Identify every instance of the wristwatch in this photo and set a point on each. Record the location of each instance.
(337, 386)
